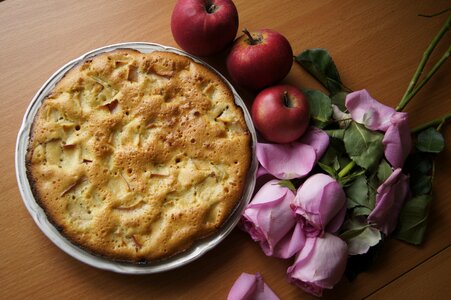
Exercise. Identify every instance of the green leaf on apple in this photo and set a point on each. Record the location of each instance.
(320, 65)
(412, 220)
(320, 107)
(363, 146)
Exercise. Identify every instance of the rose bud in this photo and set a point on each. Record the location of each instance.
(390, 198)
(320, 204)
(320, 264)
(271, 222)
(249, 286)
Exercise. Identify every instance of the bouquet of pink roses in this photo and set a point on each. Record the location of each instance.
(357, 176)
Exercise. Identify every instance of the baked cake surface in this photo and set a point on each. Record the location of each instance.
(136, 156)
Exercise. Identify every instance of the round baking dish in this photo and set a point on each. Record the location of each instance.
(39, 216)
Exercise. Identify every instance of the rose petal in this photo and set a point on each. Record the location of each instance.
(286, 161)
(316, 138)
(390, 198)
(251, 287)
(320, 264)
(269, 218)
(336, 222)
(292, 243)
(261, 171)
(397, 140)
(368, 111)
(319, 201)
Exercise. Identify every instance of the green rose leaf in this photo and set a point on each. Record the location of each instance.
(288, 184)
(360, 263)
(413, 220)
(339, 100)
(361, 211)
(420, 184)
(320, 107)
(383, 171)
(430, 140)
(373, 184)
(335, 155)
(420, 163)
(328, 169)
(357, 193)
(420, 167)
(336, 133)
(320, 65)
(363, 146)
(359, 236)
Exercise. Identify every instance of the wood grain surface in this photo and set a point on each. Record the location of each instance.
(375, 44)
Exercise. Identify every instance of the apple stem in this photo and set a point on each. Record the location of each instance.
(210, 7)
(252, 41)
(286, 100)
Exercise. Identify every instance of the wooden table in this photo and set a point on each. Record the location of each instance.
(376, 45)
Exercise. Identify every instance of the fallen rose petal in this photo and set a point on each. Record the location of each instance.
(316, 138)
(270, 221)
(397, 140)
(368, 111)
(286, 161)
(251, 287)
(390, 198)
(320, 264)
(320, 204)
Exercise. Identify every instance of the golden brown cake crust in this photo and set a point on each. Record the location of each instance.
(136, 156)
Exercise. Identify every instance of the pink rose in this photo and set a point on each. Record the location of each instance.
(376, 116)
(270, 221)
(320, 264)
(320, 204)
(251, 287)
(397, 140)
(390, 198)
(294, 160)
(369, 112)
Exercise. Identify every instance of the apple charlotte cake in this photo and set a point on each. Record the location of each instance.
(135, 156)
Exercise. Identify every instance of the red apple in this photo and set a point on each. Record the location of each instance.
(259, 59)
(204, 27)
(281, 113)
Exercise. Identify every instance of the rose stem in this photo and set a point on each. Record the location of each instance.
(423, 61)
(346, 169)
(426, 79)
(252, 41)
(437, 122)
